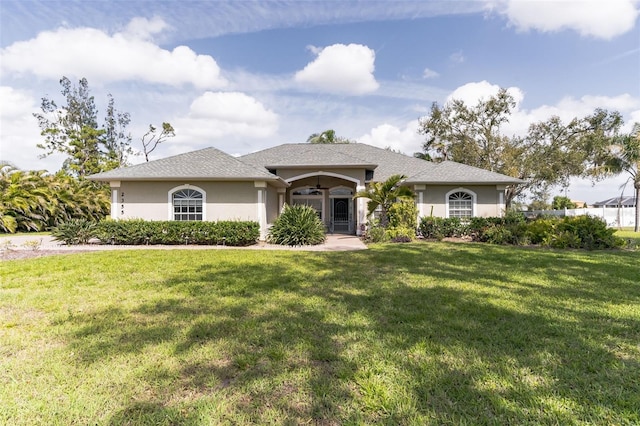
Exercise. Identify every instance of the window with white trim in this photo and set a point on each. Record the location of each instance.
(309, 197)
(460, 204)
(187, 204)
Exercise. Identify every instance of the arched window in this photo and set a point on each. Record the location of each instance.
(187, 204)
(460, 203)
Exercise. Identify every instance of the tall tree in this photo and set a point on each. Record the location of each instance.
(385, 194)
(328, 136)
(549, 154)
(72, 129)
(561, 202)
(151, 139)
(625, 158)
(117, 140)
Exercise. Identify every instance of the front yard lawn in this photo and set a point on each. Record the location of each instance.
(425, 333)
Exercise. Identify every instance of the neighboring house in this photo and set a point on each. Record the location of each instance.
(617, 202)
(210, 185)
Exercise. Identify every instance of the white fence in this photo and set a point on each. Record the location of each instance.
(615, 217)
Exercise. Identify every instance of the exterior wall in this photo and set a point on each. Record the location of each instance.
(272, 204)
(224, 200)
(488, 200)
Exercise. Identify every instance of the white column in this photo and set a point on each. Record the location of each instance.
(419, 189)
(281, 194)
(114, 203)
(501, 206)
(262, 208)
(361, 213)
(115, 185)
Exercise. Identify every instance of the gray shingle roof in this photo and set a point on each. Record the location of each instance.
(385, 163)
(306, 155)
(626, 201)
(213, 164)
(452, 172)
(204, 164)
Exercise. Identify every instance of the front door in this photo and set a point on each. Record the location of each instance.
(341, 214)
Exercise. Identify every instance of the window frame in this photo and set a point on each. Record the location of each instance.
(473, 201)
(171, 211)
(315, 195)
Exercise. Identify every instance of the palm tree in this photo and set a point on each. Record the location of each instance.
(385, 194)
(626, 159)
(328, 136)
(24, 199)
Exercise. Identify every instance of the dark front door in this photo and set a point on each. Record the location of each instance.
(341, 214)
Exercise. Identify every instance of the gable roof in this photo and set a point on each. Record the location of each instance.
(384, 162)
(306, 155)
(624, 201)
(452, 172)
(213, 164)
(204, 164)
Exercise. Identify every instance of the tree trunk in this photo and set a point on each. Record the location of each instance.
(637, 225)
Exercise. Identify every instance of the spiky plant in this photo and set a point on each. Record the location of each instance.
(297, 225)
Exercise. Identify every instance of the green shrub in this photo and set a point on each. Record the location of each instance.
(74, 231)
(298, 225)
(400, 235)
(562, 240)
(439, 228)
(591, 232)
(583, 232)
(140, 232)
(403, 214)
(541, 230)
(431, 227)
(376, 233)
(513, 234)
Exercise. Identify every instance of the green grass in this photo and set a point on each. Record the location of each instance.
(425, 333)
(632, 238)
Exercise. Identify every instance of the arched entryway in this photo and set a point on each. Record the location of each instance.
(332, 197)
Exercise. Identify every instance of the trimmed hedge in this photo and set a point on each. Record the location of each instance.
(582, 232)
(140, 232)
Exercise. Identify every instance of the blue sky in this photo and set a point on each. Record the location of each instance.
(243, 76)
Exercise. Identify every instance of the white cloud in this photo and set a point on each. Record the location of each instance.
(595, 18)
(145, 29)
(216, 115)
(14, 103)
(346, 69)
(98, 56)
(19, 132)
(405, 140)
(472, 93)
(429, 73)
(457, 57)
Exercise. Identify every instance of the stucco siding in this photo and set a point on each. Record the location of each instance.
(487, 200)
(272, 204)
(224, 200)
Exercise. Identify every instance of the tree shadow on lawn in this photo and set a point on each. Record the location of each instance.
(606, 276)
(356, 338)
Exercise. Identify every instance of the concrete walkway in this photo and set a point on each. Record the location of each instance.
(335, 242)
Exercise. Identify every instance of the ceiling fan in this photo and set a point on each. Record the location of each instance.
(318, 186)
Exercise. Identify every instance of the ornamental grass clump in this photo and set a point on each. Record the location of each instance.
(298, 225)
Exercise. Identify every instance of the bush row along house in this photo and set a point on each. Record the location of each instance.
(211, 185)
